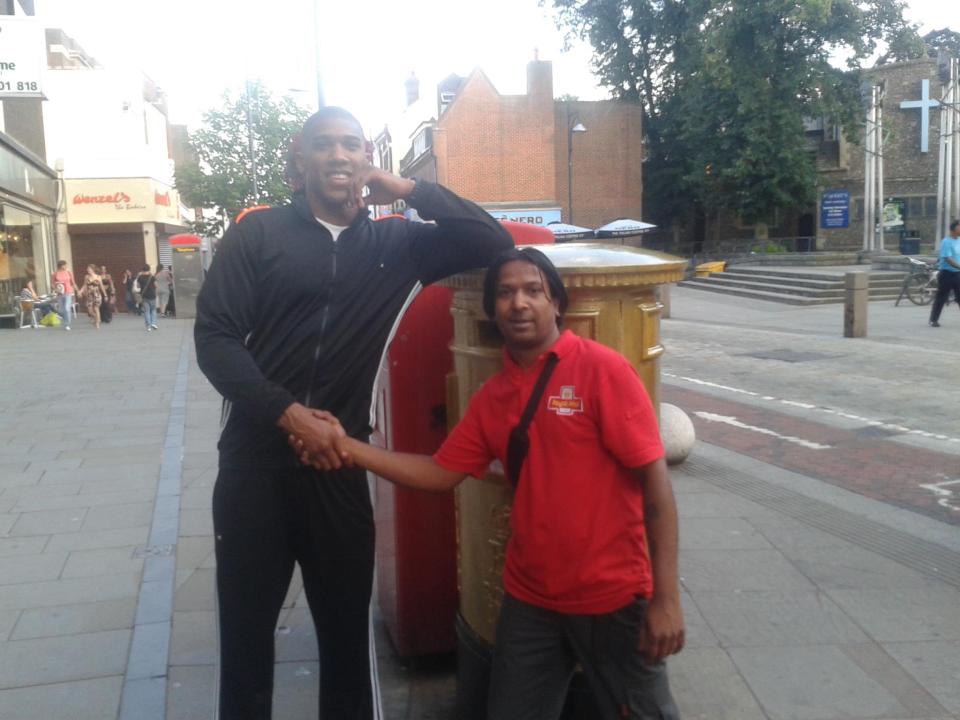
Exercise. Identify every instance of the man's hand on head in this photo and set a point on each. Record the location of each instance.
(384, 187)
(316, 436)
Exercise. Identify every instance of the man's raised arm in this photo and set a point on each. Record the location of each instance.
(465, 235)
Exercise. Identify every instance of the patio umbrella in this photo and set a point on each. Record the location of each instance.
(623, 227)
(564, 232)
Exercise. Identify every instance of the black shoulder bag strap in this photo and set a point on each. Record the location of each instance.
(519, 443)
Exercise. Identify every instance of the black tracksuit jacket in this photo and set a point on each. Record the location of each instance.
(285, 314)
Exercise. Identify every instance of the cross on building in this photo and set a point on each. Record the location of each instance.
(924, 103)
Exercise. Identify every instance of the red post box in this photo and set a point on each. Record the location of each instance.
(416, 533)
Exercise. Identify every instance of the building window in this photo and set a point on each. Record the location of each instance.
(930, 205)
(858, 208)
(915, 207)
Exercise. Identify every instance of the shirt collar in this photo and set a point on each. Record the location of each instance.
(561, 348)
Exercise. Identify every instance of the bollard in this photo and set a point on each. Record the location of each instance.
(856, 292)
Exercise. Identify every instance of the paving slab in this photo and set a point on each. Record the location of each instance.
(95, 699)
(709, 533)
(713, 570)
(708, 686)
(774, 618)
(43, 661)
(813, 682)
(191, 692)
(103, 561)
(68, 590)
(930, 611)
(106, 517)
(94, 539)
(47, 522)
(935, 665)
(18, 569)
(75, 619)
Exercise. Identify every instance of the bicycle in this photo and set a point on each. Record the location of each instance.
(920, 286)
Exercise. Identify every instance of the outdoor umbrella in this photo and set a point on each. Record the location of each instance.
(564, 232)
(623, 228)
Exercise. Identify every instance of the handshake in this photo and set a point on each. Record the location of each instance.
(317, 438)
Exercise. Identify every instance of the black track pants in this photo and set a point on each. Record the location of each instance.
(265, 521)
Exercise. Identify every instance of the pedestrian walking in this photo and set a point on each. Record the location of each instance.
(93, 294)
(948, 277)
(164, 282)
(147, 289)
(591, 568)
(109, 306)
(294, 314)
(64, 286)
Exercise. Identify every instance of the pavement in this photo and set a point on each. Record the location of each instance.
(808, 595)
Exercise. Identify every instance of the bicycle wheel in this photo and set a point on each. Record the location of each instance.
(920, 290)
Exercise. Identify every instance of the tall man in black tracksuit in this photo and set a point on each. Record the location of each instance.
(294, 315)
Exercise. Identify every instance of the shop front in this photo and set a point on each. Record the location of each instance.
(28, 196)
(122, 223)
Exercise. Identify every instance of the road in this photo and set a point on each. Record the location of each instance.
(876, 416)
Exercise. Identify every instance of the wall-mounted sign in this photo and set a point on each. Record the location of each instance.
(23, 57)
(835, 209)
(531, 216)
(894, 210)
(121, 200)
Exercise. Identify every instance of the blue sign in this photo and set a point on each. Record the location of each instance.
(532, 216)
(835, 209)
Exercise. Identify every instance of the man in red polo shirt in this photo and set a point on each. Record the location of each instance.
(591, 567)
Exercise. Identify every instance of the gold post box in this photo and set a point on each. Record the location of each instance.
(611, 291)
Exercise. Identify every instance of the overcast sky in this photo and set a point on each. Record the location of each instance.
(195, 49)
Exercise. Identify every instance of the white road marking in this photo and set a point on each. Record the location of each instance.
(818, 408)
(947, 498)
(731, 420)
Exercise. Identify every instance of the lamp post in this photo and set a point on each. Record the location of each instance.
(573, 126)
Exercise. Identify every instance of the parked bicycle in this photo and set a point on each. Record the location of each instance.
(920, 285)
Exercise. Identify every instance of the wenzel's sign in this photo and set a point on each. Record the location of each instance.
(121, 200)
(23, 57)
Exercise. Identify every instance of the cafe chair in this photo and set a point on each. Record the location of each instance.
(29, 315)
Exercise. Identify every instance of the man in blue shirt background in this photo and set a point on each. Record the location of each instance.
(949, 276)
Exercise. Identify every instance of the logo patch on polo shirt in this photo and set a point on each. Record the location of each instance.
(566, 403)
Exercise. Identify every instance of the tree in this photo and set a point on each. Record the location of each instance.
(726, 86)
(248, 135)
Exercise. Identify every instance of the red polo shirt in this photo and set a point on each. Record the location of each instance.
(577, 540)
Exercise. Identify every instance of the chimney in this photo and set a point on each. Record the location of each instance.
(540, 77)
(413, 89)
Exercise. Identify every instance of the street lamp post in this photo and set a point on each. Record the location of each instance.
(573, 126)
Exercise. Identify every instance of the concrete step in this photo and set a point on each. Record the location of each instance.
(756, 294)
(807, 288)
(821, 283)
(779, 292)
(875, 276)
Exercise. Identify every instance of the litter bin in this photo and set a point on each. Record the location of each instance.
(910, 242)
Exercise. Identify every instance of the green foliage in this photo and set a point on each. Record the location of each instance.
(726, 86)
(220, 176)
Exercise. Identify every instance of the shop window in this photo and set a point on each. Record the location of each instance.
(23, 256)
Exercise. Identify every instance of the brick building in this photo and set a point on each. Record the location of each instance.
(910, 170)
(510, 153)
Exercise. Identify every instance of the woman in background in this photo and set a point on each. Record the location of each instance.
(93, 294)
